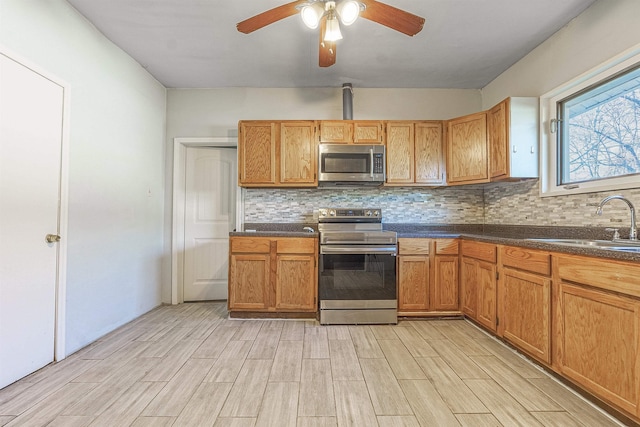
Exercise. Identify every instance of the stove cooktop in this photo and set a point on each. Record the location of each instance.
(349, 215)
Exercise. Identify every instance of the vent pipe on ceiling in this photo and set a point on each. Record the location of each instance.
(347, 101)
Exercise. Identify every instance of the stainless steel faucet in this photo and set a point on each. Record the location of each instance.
(633, 230)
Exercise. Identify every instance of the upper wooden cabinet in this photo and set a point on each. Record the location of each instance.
(277, 154)
(257, 153)
(351, 132)
(467, 150)
(512, 132)
(498, 144)
(298, 154)
(414, 153)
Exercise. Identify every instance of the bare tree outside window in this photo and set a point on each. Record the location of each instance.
(600, 131)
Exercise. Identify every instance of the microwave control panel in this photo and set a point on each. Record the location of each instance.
(378, 163)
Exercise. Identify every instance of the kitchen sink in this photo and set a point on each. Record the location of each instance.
(612, 245)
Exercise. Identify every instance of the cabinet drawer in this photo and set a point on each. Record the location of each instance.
(446, 246)
(526, 259)
(616, 276)
(482, 251)
(296, 245)
(253, 245)
(410, 246)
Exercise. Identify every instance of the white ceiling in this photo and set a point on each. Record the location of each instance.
(195, 44)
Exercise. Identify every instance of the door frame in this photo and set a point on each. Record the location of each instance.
(59, 333)
(180, 146)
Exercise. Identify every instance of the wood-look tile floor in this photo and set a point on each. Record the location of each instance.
(189, 365)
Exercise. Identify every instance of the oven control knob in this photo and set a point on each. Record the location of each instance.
(376, 213)
(323, 212)
(332, 212)
(368, 213)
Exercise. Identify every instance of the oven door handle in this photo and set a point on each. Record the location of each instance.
(349, 249)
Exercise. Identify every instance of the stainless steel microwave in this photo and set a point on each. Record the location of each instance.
(347, 164)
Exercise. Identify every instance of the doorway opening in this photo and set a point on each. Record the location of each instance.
(204, 170)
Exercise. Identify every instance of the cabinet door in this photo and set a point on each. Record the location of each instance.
(400, 153)
(368, 132)
(598, 343)
(469, 287)
(497, 134)
(487, 294)
(298, 154)
(296, 283)
(257, 153)
(249, 282)
(413, 282)
(526, 312)
(336, 132)
(467, 153)
(444, 292)
(429, 167)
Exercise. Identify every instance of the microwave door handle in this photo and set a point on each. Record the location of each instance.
(371, 156)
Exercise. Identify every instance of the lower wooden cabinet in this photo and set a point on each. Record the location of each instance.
(413, 282)
(487, 294)
(525, 312)
(273, 274)
(427, 276)
(598, 343)
(469, 287)
(479, 282)
(524, 302)
(444, 295)
(597, 328)
(292, 273)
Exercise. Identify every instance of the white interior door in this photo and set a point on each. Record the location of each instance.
(210, 202)
(31, 108)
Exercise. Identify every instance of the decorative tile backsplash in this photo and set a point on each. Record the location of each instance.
(519, 203)
(399, 205)
(508, 203)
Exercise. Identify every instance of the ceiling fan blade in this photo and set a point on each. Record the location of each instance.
(269, 17)
(392, 17)
(327, 49)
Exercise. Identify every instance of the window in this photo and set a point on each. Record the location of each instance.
(599, 130)
(591, 130)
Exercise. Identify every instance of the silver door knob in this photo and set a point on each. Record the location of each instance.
(52, 238)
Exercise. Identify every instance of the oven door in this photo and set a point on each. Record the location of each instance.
(357, 276)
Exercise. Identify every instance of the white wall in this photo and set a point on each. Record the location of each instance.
(216, 112)
(603, 31)
(116, 165)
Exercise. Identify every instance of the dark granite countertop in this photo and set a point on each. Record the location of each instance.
(513, 235)
(277, 229)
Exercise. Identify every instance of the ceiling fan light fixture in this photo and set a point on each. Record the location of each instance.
(348, 10)
(333, 28)
(311, 15)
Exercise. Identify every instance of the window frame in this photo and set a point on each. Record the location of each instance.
(549, 149)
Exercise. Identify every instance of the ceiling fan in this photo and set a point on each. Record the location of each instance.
(326, 13)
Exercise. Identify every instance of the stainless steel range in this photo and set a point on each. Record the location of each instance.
(357, 271)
